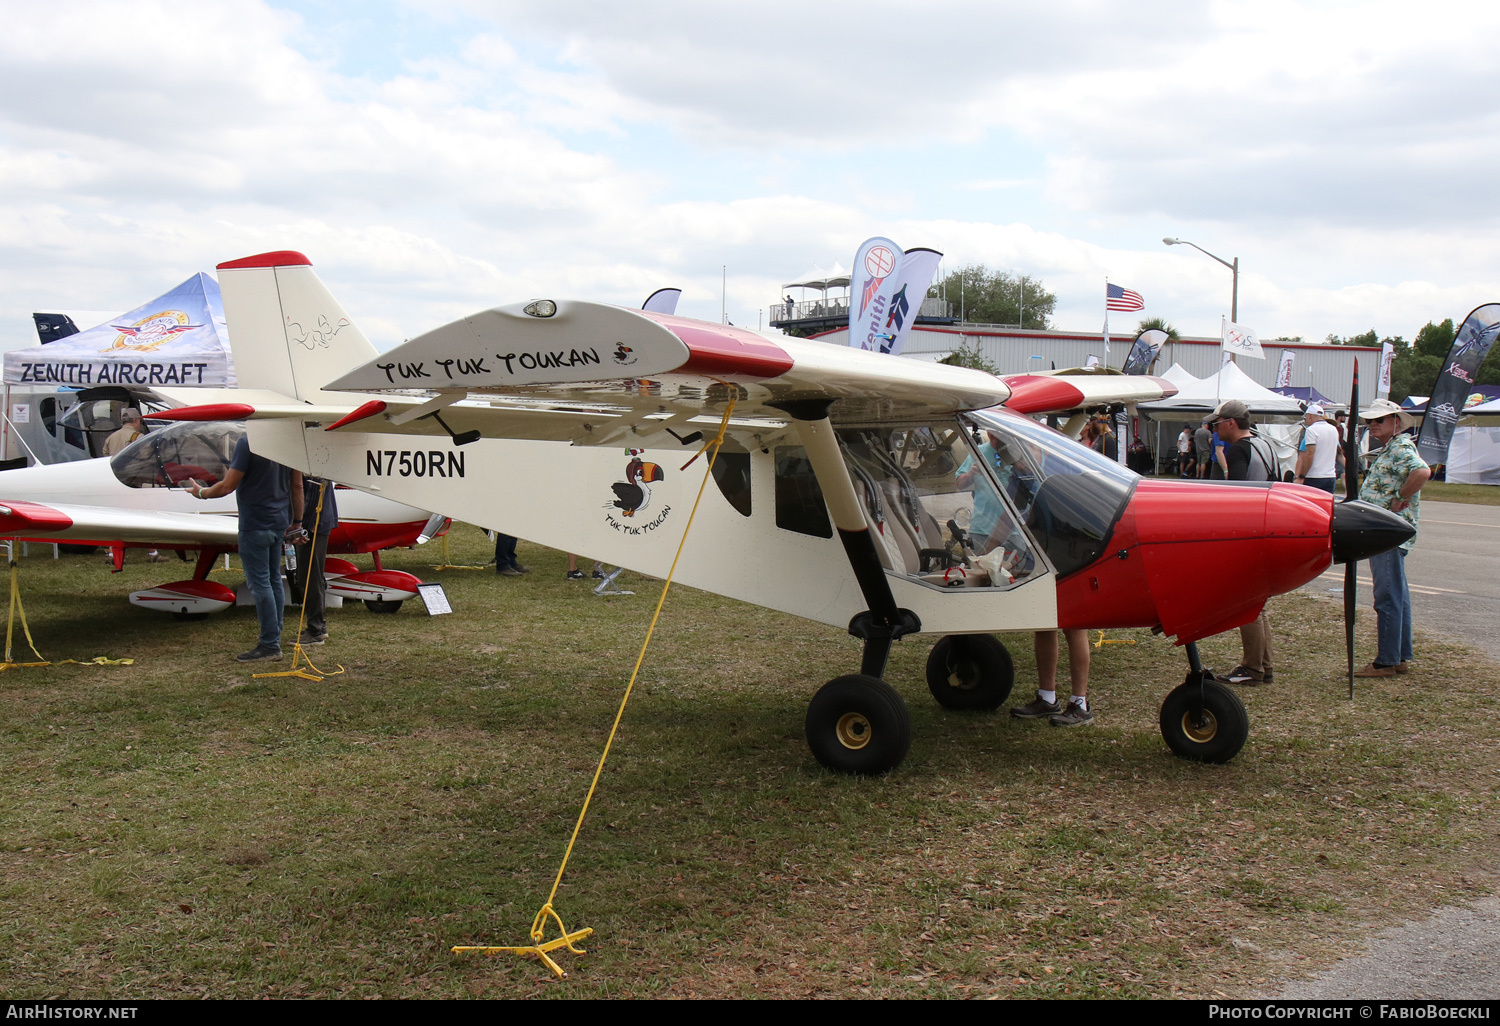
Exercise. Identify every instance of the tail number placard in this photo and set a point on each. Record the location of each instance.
(413, 463)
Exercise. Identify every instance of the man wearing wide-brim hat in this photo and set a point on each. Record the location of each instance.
(1397, 473)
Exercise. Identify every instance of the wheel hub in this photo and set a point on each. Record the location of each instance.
(963, 674)
(1204, 730)
(853, 731)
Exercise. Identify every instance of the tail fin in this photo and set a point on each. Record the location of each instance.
(287, 332)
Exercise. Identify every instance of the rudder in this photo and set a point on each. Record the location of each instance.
(287, 332)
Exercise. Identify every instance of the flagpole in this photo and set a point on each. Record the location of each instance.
(1219, 379)
(1106, 321)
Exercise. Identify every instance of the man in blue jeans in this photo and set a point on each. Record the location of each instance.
(1397, 473)
(270, 499)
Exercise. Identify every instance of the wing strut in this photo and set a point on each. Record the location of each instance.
(883, 622)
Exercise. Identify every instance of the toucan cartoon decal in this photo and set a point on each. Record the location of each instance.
(624, 354)
(633, 494)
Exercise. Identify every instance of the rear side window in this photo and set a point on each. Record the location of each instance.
(799, 500)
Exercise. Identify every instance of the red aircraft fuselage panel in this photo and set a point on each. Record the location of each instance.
(1267, 540)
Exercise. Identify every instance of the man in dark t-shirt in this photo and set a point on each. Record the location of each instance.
(1249, 459)
(312, 551)
(269, 497)
(1203, 445)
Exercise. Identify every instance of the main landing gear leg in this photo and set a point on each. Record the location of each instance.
(1202, 719)
(855, 723)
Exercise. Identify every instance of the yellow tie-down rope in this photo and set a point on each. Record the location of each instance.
(1112, 641)
(447, 564)
(569, 938)
(297, 653)
(10, 628)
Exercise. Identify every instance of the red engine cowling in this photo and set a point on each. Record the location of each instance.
(1200, 559)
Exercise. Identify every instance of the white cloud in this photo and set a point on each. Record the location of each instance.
(1341, 153)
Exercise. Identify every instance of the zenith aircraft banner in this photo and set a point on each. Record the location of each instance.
(1144, 352)
(1456, 380)
(178, 338)
(872, 284)
(912, 282)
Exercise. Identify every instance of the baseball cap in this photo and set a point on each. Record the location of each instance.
(1231, 408)
(1316, 409)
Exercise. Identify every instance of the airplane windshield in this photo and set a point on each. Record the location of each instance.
(936, 515)
(1069, 496)
(168, 457)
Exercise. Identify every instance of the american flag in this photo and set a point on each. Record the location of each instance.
(1117, 298)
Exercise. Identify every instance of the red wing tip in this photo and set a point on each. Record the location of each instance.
(368, 409)
(277, 258)
(33, 516)
(209, 411)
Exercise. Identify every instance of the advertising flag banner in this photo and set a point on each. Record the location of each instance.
(1284, 372)
(917, 268)
(178, 338)
(872, 284)
(1387, 355)
(1241, 341)
(1456, 380)
(1144, 352)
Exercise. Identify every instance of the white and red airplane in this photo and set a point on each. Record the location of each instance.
(135, 499)
(852, 488)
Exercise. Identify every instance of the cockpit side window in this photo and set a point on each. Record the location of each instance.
(1069, 496)
(169, 457)
(933, 508)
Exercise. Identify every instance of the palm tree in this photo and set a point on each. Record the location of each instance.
(1159, 323)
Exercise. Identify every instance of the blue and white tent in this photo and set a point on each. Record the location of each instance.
(178, 338)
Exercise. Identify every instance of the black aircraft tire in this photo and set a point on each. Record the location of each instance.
(970, 672)
(858, 724)
(1221, 734)
(376, 606)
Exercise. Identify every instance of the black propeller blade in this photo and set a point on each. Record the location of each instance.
(1351, 491)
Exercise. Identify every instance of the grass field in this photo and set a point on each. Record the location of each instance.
(1443, 491)
(179, 828)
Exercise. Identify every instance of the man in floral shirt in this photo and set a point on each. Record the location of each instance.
(1395, 477)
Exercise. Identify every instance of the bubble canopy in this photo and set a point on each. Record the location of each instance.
(169, 457)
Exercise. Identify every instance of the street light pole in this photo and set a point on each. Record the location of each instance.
(1234, 298)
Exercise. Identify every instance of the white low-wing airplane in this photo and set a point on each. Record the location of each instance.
(135, 499)
(853, 488)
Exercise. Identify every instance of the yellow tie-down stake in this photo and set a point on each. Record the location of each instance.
(540, 949)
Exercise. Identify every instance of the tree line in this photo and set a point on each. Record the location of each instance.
(983, 296)
(1414, 369)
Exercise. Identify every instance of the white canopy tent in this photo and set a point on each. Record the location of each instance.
(1179, 377)
(1276, 415)
(178, 338)
(821, 280)
(1202, 396)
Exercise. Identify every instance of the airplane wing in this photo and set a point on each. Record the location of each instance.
(97, 525)
(599, 375)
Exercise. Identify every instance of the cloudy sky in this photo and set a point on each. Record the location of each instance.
(436, 158)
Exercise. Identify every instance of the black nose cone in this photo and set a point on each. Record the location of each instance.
(1361, 530)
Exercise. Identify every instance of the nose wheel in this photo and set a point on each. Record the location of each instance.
(1204, 721)
(970, 672)
(858, 724)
